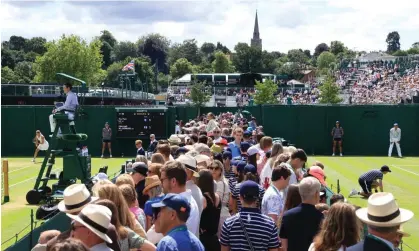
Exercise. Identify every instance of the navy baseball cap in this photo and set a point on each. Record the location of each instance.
(176, 202)
(249, 168)
(244, 146)
(227, 155)
(234, 162)
(385, 168)
(240, 166)
(181, 150)
(249, 189)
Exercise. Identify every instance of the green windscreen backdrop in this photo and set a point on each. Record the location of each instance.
(308, 127)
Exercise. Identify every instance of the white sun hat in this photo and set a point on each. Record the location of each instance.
(383, 211)
(96, 218)
(76, 197)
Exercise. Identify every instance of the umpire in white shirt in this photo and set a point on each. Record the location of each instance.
(395, 135)
(69, 107)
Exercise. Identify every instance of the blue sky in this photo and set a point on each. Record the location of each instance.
(284, 25)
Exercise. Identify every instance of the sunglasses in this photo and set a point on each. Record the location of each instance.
(213, 168)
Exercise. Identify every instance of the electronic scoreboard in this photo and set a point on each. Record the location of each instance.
(140, 123)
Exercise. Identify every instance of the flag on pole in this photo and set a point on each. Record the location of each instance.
(129, 66)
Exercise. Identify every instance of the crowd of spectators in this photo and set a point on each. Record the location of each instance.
(382, 85)
(220, 183)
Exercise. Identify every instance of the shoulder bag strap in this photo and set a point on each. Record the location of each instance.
(245, 233)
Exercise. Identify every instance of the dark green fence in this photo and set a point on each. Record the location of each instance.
(366, 127)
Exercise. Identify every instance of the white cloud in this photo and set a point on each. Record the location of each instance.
(283, 25)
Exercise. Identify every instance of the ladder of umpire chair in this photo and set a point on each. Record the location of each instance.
(49, 159)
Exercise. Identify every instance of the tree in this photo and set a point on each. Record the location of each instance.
(31, 56)
(163, 80)
(17, 43)
(221, 47)
(112, 74)
(247, 59)
(393, 42)
(181, 67)
(106, 51)
(7, 59)
(144, 70)
(415, 45)
(292, 70)
(298, 56)
(156, 47)
(222, 64)
(71, 55)
(198, 96)
(320, 48)
(400, 53)
(37, 45)
(325, 60)
(413, 51)
(337, 47)
(188, 49)
(265, 92)
(106, 36)
(24, 72)
(207, 48)
(269, 62)
(329, 92)
(7, 75)
(307, 52)
(124, 49)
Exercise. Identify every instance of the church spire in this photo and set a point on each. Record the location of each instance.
(256, 28)
(256, 41)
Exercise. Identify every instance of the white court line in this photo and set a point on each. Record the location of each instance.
(19, 169)
(417, 174)
(28, 179)
(409, 165)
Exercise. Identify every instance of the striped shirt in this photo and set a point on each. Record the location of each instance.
(236, 195)
(260, 228)
(372, 175)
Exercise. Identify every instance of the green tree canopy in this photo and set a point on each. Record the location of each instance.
(222, 64)
(7, 75)
(329, 92)
(337, 47)
(24, 72)
(181, 67)
(320, 48)
(198, 96)
(247, 59)
(325, 60)
(124, 49)
(71, 55)
(265, 92)
(393, 42)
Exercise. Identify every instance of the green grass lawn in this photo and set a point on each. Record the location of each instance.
(401, 182)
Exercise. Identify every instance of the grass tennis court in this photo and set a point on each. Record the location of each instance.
(401, 182)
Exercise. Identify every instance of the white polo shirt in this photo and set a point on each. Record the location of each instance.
(194, 218)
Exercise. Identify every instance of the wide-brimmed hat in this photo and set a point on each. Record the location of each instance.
(150, 182)
(96, 218)
(76, 196)
(190, 163)
(174, 139)
(383, 211)
(201, 158)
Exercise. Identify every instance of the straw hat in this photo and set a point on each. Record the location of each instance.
(75, 198)
(190, 163)
(150, 182)
(174, 139)
(96, 218)
(383, 211)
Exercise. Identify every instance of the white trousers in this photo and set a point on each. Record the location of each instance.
(53, 122)
(390, 149)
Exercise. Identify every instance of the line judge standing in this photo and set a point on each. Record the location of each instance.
(395, 135)
(337, 134)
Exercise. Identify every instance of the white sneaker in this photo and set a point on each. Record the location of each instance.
(333, 154)
(101, 156)
(341, 155)
(353, 192)
(33, 160)
(110, 156)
